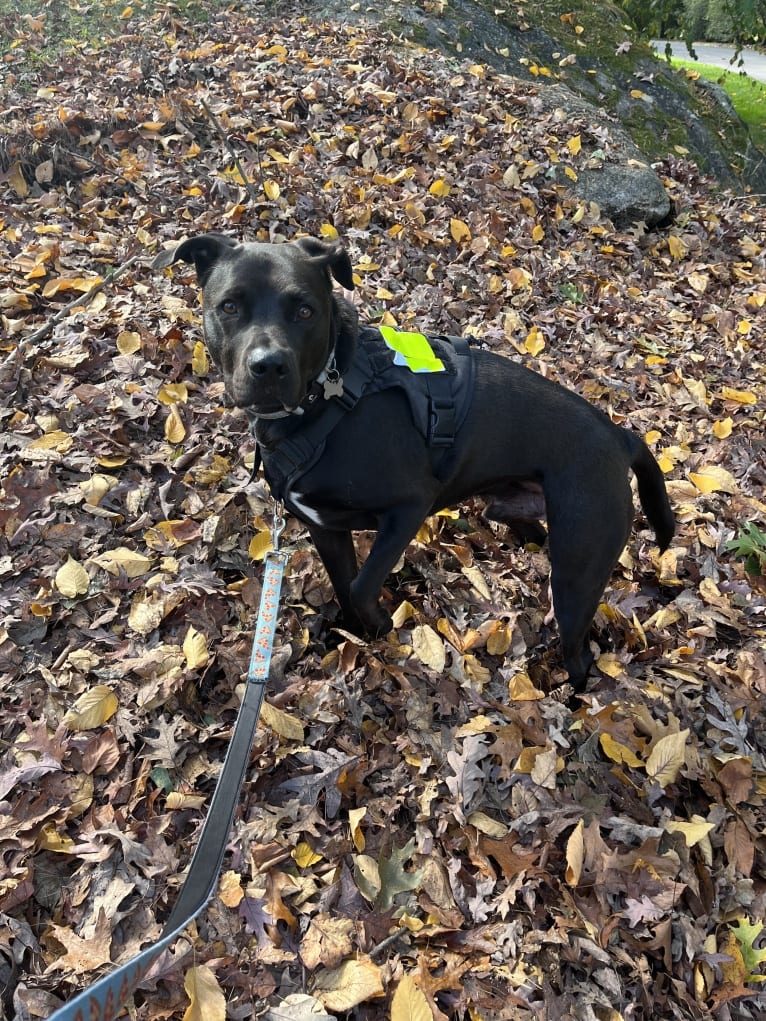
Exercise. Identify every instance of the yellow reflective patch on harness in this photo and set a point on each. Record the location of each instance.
(412, 350)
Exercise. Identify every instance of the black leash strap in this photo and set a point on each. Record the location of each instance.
(104, 1000)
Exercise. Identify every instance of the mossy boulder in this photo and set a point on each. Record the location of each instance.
(587, 56)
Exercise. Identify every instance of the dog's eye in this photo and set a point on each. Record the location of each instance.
(305, 312)
(229, 307)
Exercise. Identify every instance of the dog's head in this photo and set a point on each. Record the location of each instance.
(272, 322)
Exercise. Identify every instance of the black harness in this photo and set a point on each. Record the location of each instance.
(439, 403)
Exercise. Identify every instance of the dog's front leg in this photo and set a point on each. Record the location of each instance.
(338, 555)
(396, 530)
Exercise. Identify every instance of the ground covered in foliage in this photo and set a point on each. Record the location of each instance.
(424, 831)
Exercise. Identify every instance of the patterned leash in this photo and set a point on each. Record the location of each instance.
(104, 1000)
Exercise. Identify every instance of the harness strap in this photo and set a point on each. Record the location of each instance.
(444, 417)
(299, 452)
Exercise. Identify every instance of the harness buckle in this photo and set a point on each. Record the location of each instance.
(442, 423)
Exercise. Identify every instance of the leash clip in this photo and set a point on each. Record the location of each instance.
(277, 524)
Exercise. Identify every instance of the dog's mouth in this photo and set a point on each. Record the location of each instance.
(267, 409)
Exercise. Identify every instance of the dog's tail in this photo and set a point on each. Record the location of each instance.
(652, 491)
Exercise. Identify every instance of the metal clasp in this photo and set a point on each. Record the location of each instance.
(277, 524)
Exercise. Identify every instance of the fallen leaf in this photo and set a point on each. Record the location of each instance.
(207, 1002)
(92, 709)
(667, 757)
(352, 983)
(72, 579)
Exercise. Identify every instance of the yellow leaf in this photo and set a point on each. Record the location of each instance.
(230, 889)
(667, 757)
(518, 278)
(200, 363)
(409, 1003)
(459, 230)
(355, 816)
(51, 840)
(535, 342)
(328, 231)
(676, 246)
(499, 639)
(610, 665)
(56, 439)
(128, 342)
(537, 233)
(714, 479)
(526, 759)
(575, 855)
(571, 173)
(183, 802)
(96, 487)
(272, 190)
(260, 545)
(414, 212)
(145, 615)
(304, 855)
(637, 94)
(744, 326)
(693, 831)
(733, 972)
(698, 281)
(486, 824)
(403, 612)
(123, 559)
(17, 181)
(282, 723)
(739, 396)
(72, 579)
(195, 649)
(575, 144)
(722, 428)
(429, 648)
(175, 430)
(521, 689)
(440, 188)
(652, 436)
(207, 1002)
(172, 393)
(345, 987)
(92, 709)
(618, 752)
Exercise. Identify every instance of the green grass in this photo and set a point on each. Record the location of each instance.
(748, 96)
(44, 28)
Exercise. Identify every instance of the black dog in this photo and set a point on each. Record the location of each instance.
(352, 441)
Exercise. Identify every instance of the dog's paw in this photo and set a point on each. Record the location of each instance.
(377, 621)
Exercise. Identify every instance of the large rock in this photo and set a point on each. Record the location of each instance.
(590, 62)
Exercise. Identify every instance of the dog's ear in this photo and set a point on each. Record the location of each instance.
(333, 255)
(204, 251)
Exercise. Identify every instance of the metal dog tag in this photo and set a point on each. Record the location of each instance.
(333, 387)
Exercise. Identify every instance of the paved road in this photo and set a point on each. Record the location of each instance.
(754, 62)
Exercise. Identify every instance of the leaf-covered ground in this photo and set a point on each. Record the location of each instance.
(420, 820)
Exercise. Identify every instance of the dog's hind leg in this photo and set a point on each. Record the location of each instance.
(584, 545)
(520, 506)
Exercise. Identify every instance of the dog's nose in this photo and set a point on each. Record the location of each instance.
(267, 366)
